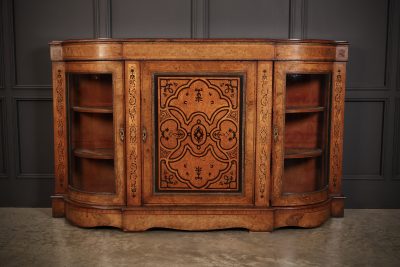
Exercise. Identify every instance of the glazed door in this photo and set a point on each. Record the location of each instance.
(301, 124)
(95, 132)
(198, 132)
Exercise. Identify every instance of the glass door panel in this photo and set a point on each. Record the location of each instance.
(92, 132)
(301, 125)
(305, 132)
(95, 118)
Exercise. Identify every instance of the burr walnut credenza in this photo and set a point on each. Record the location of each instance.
(198, 134)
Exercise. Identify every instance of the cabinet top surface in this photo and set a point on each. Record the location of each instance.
(210, 40)
(198, 49)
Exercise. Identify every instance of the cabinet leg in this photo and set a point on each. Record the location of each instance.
(337, 206)
(58, 206)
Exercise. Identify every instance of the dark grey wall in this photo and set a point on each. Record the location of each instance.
(372, 124)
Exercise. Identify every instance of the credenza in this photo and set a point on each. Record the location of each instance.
(198, 134)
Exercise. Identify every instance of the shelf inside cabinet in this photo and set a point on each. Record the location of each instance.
(93, 175)
(304, 130)
(304, 109)
(306, 90)
(98, 153)
(91, 90)
(297, 153)
(302, 175)
(105, 109)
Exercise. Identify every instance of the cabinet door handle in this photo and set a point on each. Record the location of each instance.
(276, 133)
(122, 134)
(144, 135)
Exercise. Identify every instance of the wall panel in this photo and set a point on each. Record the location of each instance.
(396, 139)
(364, 25)
(363, 139)
(3, 152)
(251, 19)
(38, 23)
(371, 194)
(151, 18)
(34, 132)
(2, 70)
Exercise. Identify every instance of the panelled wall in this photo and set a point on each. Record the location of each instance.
(372, 124)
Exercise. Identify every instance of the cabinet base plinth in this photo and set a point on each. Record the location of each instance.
(195, 218)
(257, 220)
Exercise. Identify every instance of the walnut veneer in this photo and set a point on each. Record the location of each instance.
(198, 134)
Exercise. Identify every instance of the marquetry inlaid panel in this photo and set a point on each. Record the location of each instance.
(198, 136)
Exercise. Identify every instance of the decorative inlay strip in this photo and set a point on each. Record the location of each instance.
(337, 128)
(132, 128)
(60, 129)
(264, 115)
(263, 131)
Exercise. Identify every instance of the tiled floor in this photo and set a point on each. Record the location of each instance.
(31, 237)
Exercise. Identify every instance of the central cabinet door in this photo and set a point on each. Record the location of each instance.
(198, 132)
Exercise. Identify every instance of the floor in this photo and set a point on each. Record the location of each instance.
(31, 237)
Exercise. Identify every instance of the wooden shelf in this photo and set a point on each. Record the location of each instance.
(304, 109)
(107, 109)
(99, 153)
(299, 153)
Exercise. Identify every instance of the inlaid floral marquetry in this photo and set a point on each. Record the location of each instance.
(198, 133)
